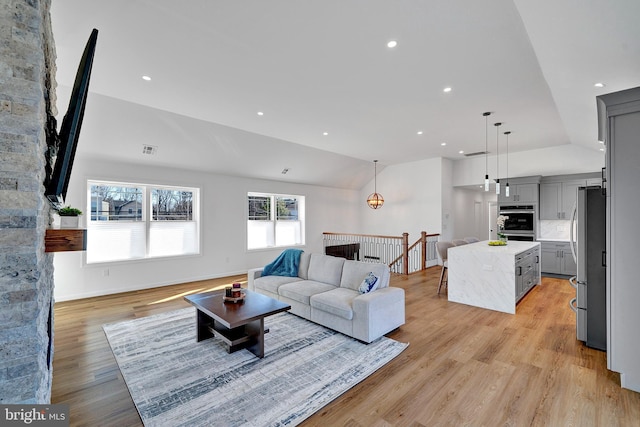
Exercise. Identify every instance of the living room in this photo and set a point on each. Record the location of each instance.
(424, 190)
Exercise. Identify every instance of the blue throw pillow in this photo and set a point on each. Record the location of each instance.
(370, 283)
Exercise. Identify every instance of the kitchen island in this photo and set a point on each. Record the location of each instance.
(493, 277)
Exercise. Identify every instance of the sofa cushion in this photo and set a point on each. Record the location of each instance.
(302, 290)
(272, 283)
(354, 272)
(326, 269)
(337, 301)
(303, 268)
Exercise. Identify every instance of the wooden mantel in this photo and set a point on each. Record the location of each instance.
(65, 239)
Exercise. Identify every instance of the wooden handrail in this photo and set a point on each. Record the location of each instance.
(405, 254)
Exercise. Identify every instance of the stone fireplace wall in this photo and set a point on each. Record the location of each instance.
(27, 70)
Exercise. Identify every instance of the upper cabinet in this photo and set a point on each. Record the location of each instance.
(558, 194)
(523, 191)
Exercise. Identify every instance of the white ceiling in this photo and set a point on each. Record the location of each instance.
(324, 66)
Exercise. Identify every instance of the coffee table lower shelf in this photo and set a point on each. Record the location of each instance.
(231, 337)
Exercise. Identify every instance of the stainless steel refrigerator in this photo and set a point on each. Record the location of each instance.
(589, 248)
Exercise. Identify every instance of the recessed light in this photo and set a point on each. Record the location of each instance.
(325, 133)
(599, 84)
(602, 149)
(147, 78)
(601, 142)
(392, 44)
(443, 143)
(419, 132)
(461, 152)
(446, 90)
(260, 113)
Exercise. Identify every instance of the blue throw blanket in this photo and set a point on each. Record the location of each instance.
(285, 265)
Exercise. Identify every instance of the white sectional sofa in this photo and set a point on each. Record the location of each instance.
(326, 292)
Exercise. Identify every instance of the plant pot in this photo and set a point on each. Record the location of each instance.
(69, 221)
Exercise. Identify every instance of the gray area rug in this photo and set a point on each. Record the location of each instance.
(176, 381)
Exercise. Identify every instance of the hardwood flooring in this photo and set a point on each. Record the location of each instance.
(464, 365)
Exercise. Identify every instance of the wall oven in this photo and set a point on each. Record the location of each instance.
(520, 223)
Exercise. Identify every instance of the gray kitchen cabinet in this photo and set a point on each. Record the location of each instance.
(527, 264)
(519, 193)
(557, 199)
(550, 196)
(557, 258)
(569, 196)
(558, 193)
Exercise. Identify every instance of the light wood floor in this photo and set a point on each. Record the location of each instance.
(464, 365)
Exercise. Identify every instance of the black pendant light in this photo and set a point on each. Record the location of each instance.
(375, 200)
(486, 150)
(506, 188)
(497, 125)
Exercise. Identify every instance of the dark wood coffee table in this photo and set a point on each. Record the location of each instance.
(239, 325)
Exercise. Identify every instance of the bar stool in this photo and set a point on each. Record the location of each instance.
(443, 248)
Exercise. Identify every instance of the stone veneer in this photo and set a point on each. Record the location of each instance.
(27, 67)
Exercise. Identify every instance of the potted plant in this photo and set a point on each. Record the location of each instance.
(500, 222)
(69, 217)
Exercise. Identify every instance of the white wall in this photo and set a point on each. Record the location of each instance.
(464, 220)
(412, 200)
(223, 234)
(446, 190)
(559, 160)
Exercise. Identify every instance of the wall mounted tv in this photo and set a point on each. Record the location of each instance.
(66, 140)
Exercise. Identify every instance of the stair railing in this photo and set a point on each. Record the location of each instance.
(391, 250)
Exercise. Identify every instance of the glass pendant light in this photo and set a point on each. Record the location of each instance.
(497, 125)
(375, 200)
(506, 187)
(486, 150)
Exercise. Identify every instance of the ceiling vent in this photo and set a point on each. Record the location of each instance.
(149, 149)
(478, 153)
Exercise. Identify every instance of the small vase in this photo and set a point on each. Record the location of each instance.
(503, 238)
(69, 221)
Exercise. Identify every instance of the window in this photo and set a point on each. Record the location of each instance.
(274, 220)
(137, 221)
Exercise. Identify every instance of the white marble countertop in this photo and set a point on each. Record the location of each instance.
(512, 248)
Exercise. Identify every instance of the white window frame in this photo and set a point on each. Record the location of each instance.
(143, 238)
(272, 225)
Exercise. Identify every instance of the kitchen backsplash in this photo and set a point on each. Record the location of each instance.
(554, 229)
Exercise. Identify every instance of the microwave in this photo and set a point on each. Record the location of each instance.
(521, 220)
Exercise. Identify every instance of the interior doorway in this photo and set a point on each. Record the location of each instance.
(493, 216)
(478, 228)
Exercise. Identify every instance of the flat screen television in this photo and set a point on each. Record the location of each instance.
(67, 138)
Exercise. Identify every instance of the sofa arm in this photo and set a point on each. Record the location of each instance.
(378, 312)
(252, 275)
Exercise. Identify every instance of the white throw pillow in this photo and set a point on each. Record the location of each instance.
(369, 284)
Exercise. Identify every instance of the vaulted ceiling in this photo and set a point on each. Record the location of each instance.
(316, 67)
